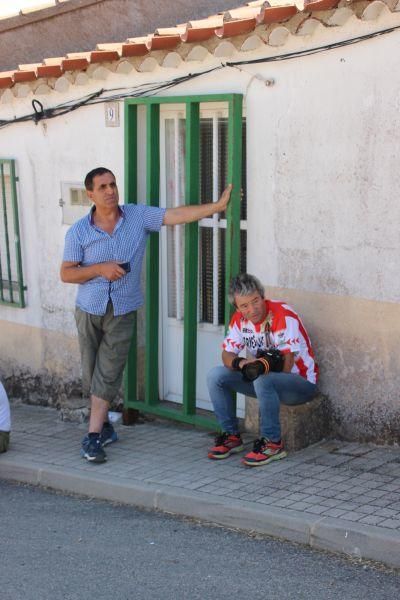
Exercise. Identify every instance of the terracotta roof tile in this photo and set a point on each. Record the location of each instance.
(49, 71)
(237, 27)
(320, 4)
(20, 76)
(238, 21)
(276, 14)
(110, 47)
(77, 55)
(29, 67)
(75, 64)
(57, 60)
(6, 79)
(243, 12)
(178, 30)
(134, 49)
(214, 22)
(138, 40)
(99, 56)
(162, 42)
(198, 34)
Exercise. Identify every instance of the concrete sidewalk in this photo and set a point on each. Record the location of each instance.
(335, 496)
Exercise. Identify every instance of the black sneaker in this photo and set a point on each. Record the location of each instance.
(92, 450)
(108, 435)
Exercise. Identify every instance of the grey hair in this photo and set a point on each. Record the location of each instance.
(244, 285)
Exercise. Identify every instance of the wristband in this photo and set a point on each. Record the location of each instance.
(265, 363)
(235, 363)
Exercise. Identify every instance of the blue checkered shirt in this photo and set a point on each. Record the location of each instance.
(88, 245)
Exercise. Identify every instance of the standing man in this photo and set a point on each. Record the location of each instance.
(103, 254)
(281, 369)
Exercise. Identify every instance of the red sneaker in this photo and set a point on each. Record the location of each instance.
(226, 444)
(264, 451)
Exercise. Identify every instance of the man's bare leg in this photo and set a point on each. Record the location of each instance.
(98, 414)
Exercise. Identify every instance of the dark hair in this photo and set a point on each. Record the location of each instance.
(244, 285)
(92, 174)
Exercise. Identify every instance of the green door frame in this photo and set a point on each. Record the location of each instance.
(151, 401)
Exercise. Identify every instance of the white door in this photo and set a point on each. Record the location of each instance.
(213, 172)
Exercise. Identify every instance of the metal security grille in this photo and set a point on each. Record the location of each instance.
(213, 180)
(228, 149)
(11, 279)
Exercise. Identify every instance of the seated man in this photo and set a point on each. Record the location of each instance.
(281, 369)
(5, 423)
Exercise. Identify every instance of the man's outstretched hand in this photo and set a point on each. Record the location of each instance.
(223, 202)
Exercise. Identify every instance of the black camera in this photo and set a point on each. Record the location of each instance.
(267, 360)
(274, 358)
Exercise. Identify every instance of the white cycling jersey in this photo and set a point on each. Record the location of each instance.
(281, 329)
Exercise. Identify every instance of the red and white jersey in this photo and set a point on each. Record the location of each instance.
(282, 329)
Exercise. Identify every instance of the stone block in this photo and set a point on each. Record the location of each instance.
(252, 415)
(74, 410)
(75, 415)
(302, 425)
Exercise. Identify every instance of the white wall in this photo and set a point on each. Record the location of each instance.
(324, 147)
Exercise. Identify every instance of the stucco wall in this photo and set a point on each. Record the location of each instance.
(355, 341)
(323, 215)
(39, 366)
(324, 172)
(60, 150)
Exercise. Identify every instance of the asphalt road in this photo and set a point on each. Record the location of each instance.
(67, 548)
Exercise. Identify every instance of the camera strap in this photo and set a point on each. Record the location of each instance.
(267, 337)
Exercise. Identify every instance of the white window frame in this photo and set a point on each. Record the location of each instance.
(177, 111)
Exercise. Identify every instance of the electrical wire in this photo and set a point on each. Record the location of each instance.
(148, 89)
(317, 50)
(100, 96)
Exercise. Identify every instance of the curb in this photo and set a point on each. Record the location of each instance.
(323, 533)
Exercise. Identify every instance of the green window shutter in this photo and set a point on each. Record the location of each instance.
(11, 278)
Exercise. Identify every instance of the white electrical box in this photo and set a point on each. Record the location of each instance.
(74, 202)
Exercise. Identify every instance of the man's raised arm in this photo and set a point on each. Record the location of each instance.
(195, 212)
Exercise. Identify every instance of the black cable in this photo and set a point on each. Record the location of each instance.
(39, 112)
(70, 106)
(146, 89)
(316, 50)
(49, 113)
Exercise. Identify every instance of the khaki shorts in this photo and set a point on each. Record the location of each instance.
(4, 441)
(104, 342)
